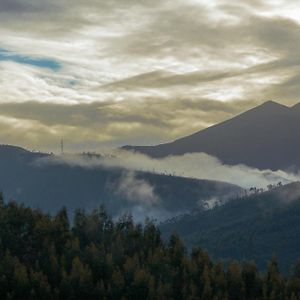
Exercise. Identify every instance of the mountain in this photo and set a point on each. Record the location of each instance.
(250, 228)
(265, 137)
(44, 181)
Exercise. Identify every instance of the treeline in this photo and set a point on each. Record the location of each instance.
(43, 257)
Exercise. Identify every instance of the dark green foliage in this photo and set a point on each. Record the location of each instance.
(250, 228)
(42, 257)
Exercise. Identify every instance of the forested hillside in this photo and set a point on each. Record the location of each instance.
(43, 257)
(249, 228)
(52, 183)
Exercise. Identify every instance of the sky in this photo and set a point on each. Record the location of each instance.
(105, 73)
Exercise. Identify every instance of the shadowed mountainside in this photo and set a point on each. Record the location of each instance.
(265, 137)
(250, 228)
(50, 186)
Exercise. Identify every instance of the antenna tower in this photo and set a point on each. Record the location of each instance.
(62, 146)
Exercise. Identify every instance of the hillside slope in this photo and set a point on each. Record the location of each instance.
(265, 137)
(50, 186)
(251, 228)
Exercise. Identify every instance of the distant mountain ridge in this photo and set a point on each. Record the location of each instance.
(49, 186)
(265, 137)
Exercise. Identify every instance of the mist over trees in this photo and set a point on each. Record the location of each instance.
(26, 177)
(44, 257)
(252, 227)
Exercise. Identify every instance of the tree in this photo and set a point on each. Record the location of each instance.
(252, 281)
(274, 282)
(235, 283)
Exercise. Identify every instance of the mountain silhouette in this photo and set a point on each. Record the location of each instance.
(43, 181)
(265, 137)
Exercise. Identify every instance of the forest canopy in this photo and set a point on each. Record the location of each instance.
(44, 257)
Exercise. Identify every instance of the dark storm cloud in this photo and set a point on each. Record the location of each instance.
(25, 6)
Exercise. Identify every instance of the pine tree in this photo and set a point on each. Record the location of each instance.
(252, 281)
(235, 284)
(274, 282)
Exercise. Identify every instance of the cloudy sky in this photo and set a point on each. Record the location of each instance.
(113, 72)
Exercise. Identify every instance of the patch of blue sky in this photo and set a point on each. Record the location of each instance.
(27, 60)
(73, 82)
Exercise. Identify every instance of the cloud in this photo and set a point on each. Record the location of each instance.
(19, 6)
(196, 165)
(203, 166)
(130, 74)
(136, 190)
(90, 126)
(142, 200)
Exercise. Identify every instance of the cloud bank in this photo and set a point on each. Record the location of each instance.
(142, 72)
(196, 165)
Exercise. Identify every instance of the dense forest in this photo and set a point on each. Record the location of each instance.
(44, 257)
(254, 227)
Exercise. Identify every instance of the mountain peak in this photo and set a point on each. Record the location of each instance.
(264, 137)
(268, 107)
(271, 103)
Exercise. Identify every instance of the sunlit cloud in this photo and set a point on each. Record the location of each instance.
(145, 70)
